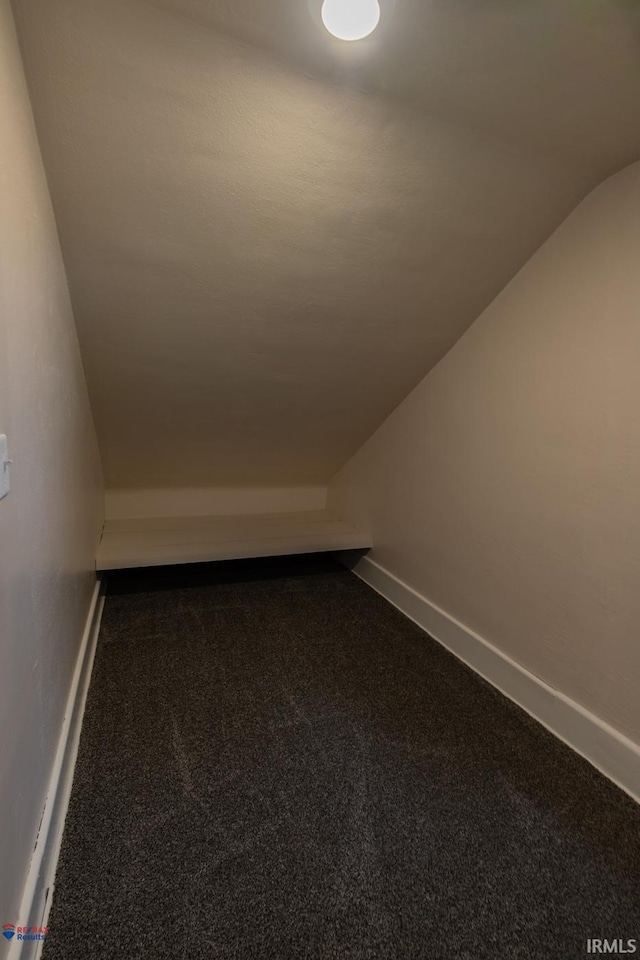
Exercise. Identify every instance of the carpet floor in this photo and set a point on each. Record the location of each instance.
(275, 763)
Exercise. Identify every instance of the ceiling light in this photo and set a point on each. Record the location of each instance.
(351, 19)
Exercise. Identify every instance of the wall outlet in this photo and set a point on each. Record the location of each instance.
(5, 463)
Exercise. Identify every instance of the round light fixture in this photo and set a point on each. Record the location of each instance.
(351, 19)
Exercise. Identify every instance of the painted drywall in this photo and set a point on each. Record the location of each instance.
(211, 502)
(49, 522)
(506, 488)
(271, 236)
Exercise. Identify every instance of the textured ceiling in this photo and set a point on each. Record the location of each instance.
(271, 236)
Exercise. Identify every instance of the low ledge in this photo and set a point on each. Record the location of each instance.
(165, 541)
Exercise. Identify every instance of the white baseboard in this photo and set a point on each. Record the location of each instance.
(211, 501)
(38, 890)
(613, 754)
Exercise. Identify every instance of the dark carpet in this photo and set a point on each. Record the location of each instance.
(275, 763)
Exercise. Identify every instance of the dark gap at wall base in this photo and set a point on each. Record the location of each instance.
(185, 575)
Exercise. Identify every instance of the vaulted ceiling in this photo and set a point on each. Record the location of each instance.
(271, 236)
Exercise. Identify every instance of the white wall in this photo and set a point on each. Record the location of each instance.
(49, 523)
(506, 487)
(263, 263)
(211, 501)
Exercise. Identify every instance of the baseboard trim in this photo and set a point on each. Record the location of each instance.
(613, 754)
(38, 890)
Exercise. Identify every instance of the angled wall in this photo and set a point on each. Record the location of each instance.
(506, 487)
(263, 257)
(49, 522)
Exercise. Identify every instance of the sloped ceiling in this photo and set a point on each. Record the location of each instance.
(271, 236)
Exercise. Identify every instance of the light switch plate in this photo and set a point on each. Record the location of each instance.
(4, 466)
